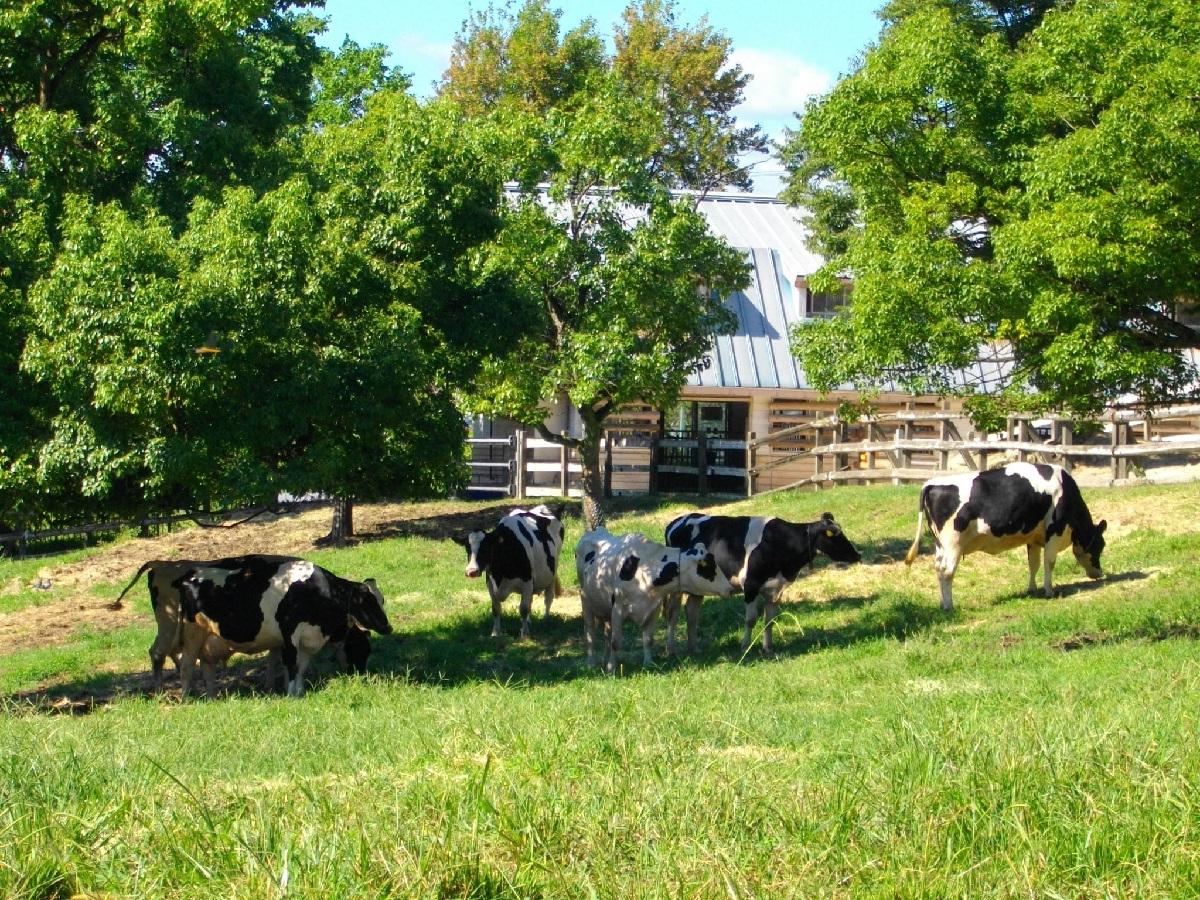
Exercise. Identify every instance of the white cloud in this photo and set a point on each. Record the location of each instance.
(782, 83)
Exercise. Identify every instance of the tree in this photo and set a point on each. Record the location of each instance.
(337, 308)
(621, 277)
(141, 108)
(1025, 174)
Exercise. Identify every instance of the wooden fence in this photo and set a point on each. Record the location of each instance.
(884, 449)
(878, 458)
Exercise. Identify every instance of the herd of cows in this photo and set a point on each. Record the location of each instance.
(208, 610)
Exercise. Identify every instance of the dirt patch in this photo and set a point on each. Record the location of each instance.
(293, 534)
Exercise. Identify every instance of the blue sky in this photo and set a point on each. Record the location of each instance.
(793, 49)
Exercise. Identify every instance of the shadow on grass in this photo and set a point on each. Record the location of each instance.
(1070, 588)
(443, 526)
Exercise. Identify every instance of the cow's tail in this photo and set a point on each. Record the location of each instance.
(116, 604)
(916, 544)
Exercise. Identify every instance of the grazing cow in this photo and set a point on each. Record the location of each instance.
(629, 576)
(519, 556)
(257, 603)
(1034, 505)
(162, 580)
(761, 555)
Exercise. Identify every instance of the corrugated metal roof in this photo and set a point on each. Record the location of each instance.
(758, 354)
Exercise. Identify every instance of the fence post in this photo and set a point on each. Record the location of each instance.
(1114, 443)
(943, 456)
(520, 481)
(702, 462)
(1066, 437)
(751, 461)
(817, 467)
(564, 461)
(608, 464)
(653, 480)
(841, 460)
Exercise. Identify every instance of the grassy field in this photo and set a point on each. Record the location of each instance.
(1017, 747)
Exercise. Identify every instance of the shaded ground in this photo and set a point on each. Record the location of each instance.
(294, 534)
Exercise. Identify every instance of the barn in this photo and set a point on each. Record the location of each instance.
(750, 384)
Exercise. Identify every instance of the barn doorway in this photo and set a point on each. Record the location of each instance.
(724, 419)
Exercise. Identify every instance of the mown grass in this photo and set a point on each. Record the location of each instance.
(1019, 746)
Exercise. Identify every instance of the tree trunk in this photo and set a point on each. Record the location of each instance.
(343, 521)
(594, 508)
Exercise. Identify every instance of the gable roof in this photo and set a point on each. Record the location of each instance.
(758, 354)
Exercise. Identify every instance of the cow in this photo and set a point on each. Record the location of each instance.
(761, 555)
(162, 580)
(629, 577)
(257, 603)
(1034, 505)
(519, 556)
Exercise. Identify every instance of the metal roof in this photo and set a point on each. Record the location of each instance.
(758, 354)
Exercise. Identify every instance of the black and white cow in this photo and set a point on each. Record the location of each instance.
(629, 576)
(1033, 505)
(162, 580)
(257, 603)
(519, 556)
(761, 555)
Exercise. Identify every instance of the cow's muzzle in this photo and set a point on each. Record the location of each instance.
(472, 573)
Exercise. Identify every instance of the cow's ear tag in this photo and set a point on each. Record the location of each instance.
(828, 532)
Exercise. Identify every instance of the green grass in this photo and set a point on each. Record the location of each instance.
(1019, 746)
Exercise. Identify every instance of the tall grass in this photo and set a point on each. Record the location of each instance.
(1019, 746)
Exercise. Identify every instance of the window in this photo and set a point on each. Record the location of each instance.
(823, 305)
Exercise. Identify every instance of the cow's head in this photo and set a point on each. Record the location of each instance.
(1087, 549)
(696, 572)
(356, 648)
(478, 548)
(366, 607)
(829, 539)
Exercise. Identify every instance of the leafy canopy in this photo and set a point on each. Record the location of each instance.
(1021, 173)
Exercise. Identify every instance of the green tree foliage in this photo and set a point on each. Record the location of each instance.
(205, 179)
(1022, 173)
(620, 278)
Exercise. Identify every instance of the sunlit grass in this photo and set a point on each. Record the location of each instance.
(1018, 746)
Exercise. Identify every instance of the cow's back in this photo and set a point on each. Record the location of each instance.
(732, 540)
(539, 538)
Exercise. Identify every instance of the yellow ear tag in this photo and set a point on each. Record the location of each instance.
(828, 532)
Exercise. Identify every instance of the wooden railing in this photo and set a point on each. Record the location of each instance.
(831, 458)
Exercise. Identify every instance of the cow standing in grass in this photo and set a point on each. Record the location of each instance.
(257, 603)
(1034, 505)
(162, 580)
(761, 555)
(519, 556)
(628, 577)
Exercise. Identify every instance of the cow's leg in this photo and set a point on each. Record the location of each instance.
(296, 684)
(589, 633)
(496, 601)
(1035, 561)
(671, 618)
(648, 636)
(272, 670)
(614, 639)
(751, 595)
(157, 661)
(210, 678)
(693, 622)
(526, 607)
(549, 598)
(770, 611)
(1048, 571)
(291, 665)
(945, 565)
(193, 642)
